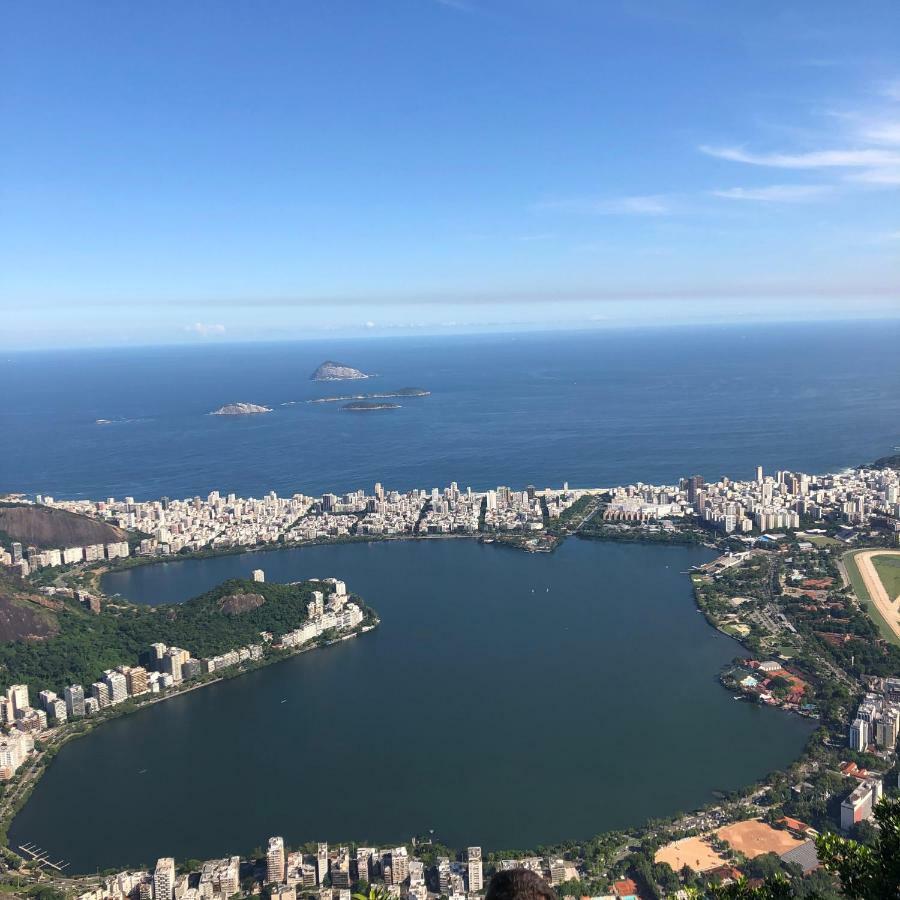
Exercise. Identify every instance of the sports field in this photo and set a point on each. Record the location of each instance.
(875, 577)
(888, 569)
(693, 852)
(754, 837)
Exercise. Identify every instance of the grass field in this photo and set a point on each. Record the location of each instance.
(888, 569)
(859, 588)
(822, 540)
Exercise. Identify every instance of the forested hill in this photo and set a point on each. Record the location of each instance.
(886, 462)
(229, 616)
(44, 526)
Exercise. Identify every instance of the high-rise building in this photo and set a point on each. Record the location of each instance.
(322, 862)
(136, 678)
(45, 698)
(443, 870)
(340, 869)
(275, 868)
(258, 575)
(56, 712)
(172, 661)
(476, 875)
(118, 686)
(18, 698)
(695, 485)
(363, 858)
(557, 870)
(759, 474)
(164, 879)
(886, 731)
(859, 805)
(859, 734)
(100, 693)
(74, 701)
(396, 866)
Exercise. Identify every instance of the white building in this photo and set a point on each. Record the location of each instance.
(164, 879)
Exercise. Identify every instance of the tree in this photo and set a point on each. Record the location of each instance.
(375, 892)
(867, 872)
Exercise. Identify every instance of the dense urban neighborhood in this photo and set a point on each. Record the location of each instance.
(803, 579)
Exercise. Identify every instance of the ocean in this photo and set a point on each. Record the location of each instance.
(591, 408)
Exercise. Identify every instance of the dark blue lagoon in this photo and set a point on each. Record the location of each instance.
(507, 700)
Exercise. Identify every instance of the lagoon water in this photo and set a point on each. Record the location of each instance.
(507, 699)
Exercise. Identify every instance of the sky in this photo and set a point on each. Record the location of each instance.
(192, 171)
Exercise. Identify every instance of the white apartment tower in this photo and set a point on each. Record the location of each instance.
(17, 695)
(74, 700)
(117, 685)
(476, 875)
(322, 858)
(859, 734)
(275, 861)
(164, 879)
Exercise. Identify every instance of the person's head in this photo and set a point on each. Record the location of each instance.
(519, 884)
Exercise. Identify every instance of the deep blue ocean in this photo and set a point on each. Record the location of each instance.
(590, 408)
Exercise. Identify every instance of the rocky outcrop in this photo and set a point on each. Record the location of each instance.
(335, 371)
(240, 409)
(236, 604)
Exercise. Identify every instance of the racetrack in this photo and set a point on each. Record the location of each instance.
(888, 608)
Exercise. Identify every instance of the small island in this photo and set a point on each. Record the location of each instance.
(380, 395)
(368, 406)
(335, 371)
(240, 409)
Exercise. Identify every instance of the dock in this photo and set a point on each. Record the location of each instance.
(42, 857)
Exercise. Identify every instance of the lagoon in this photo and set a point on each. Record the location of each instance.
(507, 699)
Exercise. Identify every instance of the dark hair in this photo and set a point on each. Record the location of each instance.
(519, 884)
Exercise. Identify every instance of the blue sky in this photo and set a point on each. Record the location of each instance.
(199, 171)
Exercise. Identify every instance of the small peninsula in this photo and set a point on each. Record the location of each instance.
(368, 406)
(240, 409)
(335, 371)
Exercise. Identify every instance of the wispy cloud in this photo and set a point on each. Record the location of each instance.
(886, 177)
(205, 329)
(891, 90)
(637, 205)
(776, 193)
(885, 132)
(816, 159)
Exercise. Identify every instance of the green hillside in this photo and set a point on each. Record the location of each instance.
(212, 623)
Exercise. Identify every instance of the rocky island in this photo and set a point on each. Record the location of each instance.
(335, 371)
(368, 406)
(240, 409)
(380, 395)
